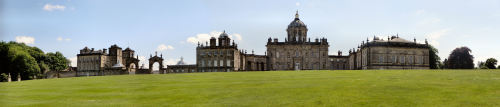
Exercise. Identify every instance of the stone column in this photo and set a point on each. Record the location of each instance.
(9, 78)
(19, 77)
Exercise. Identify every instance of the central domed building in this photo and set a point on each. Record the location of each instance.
(297, 51)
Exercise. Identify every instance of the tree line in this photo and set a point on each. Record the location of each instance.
(28, 62)
(459, 58)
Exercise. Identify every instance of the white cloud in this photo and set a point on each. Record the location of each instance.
(143, 61)
(50, 7)
(60, 39)
(170, 62)
(73, 61)
(205, 37)
(434, 36)
(297, 4)
(163, 47)
(420, 12)
(25, 39)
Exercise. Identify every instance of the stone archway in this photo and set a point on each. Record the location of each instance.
(131, 65)
(154, 59)
(131, 68)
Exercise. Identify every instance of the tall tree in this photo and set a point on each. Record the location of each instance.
(491, 63)
(461, 58)
(56, 61)
(445, 64)
(22, 63)
(481, 65)
(434, 59)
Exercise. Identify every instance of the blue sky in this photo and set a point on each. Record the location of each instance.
(173, 27)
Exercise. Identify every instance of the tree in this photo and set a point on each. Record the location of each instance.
(461, 58)
(434, 59)
(481, 65)
(19, 58)
(445, 64)
(56, 61)
(491, 63)
(22, 63)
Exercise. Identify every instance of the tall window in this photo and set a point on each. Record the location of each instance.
(215, 63)
(410, 59)
(202, 63)
(228, 63)
(277, 54)
(394, 59)
(381, 59)
(221, 63)
(402, 59)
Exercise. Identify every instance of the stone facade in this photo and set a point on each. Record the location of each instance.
(223, 56)
(297, 52)
(96, 62)
(393, 53)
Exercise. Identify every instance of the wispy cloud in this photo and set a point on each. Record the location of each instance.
(297, 3)
(203, 37)
(60, 39)
(73, 61)
(434, 36)
(50, 7)
(163, 47)
(25, 39)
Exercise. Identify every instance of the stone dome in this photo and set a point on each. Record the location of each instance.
(181, 62)
(224, 34)
(296, 22)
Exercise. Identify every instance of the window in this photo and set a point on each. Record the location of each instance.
(402, 59)
(221, 63)
(394, 59)
(381, 59)
(297, 54)
(277, 54)
(228, 63)
(215, 63)
(410, 59)
(202, 63)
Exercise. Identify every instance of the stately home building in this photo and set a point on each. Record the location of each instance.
(96, 62)
(221, 56)
(297, 52)
(393, 53)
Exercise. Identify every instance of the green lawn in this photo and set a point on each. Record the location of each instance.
(275, 88)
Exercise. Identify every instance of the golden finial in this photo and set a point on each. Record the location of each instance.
(297, 14)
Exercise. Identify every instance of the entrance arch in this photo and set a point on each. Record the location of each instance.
(131, 68)
(154, 59)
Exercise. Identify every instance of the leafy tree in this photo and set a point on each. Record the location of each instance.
(491, 63)
(56, 61)
(481, 65)
(19, 58)
(445, 64)
(22, 63)
(461, 58)
(434, 59)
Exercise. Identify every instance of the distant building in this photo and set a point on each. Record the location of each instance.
(97, 62)
(297, 52)
(181, 67)
(393, 53)
(221, 56)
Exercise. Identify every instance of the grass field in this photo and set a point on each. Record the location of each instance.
(276, 88)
